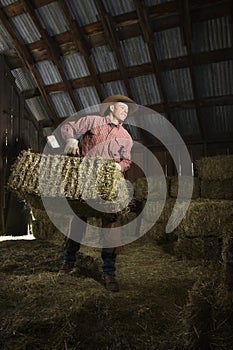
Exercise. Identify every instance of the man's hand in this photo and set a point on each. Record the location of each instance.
(71, 147)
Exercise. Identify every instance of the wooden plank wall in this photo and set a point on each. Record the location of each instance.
(17, 132)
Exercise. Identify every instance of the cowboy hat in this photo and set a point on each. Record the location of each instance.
(118, 98)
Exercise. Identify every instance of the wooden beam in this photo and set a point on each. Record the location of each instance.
(144, 22)
(26, 57)
(110, 33)
(187, 35)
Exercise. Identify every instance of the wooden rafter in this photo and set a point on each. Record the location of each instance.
(26, 57)
(82, 46)
(187, 34)
(113, 41)
(53, 50)
(148, 38)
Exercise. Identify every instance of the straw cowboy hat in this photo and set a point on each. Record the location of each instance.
(118, 98)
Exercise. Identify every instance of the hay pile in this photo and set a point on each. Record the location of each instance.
(216, 175)
(186, 182)
(207, 318)
(157, 188)
(41, 310)
(157, 232)
(201, 231)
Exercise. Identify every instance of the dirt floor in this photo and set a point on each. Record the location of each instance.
(41, 310)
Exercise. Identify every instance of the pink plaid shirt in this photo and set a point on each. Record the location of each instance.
(101, 138)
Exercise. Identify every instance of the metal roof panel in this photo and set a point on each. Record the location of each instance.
(25, 28)
(178, 84)
(52, 18)
(145, 89)
(38, 108)
(168, 44)
(23, 79)
(48, 72)
(75, 66)
(83, 11)
(63, 104)
(211, 35)
(103, 58)
(135, 51)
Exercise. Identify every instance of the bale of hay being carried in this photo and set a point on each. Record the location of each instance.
(37, 175)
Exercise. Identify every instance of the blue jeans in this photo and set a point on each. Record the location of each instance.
(72, 247)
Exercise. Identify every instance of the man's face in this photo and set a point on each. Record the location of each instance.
(120, 111)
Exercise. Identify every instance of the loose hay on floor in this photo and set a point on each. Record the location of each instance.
(41, 310)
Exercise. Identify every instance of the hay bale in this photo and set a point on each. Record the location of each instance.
(215, 168)
(198, 248)
(218, 189)
(204, 217)
(153, 208)
(157, 233)
(43, 228)
(227, 244)
(186, 182)
(156, 184)
(207, 318)
(74, 178)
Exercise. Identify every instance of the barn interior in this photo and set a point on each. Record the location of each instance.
(175, 60)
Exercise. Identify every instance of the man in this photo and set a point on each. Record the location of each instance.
(104, 136)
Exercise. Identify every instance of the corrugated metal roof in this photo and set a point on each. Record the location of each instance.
(135, 51)
(25, 29)
(148, 119)
(83, 11)
(5, 40)
(186, 122)
(52, 18)
(88, 97)
(63, 104)
(168, 44)
(145, 89)
(178, 85)
(211, 35)
(114, 88)
(37, 107)
(75, 66)
(119, 7)
(218, 120)
(48, 72)
(23, 79)
(7, 2)
(155, 2)
(103, 58)
(215, 79)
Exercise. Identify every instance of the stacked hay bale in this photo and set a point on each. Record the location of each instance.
(206, 321)
(35, 176)
(154, 206)
(203, 228)
(209, 215)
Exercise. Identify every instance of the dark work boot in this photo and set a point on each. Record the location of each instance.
(110, 283)
(66, 267)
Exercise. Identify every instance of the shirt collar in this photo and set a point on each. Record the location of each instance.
(110, 122)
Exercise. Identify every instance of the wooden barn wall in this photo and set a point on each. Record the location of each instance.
(16, 133)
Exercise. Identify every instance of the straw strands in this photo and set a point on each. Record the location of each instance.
(70, 177)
